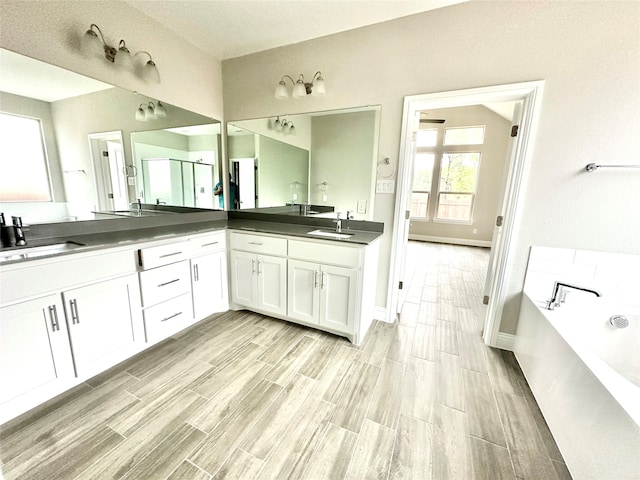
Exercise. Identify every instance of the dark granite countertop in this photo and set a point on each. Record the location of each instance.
(96, 235)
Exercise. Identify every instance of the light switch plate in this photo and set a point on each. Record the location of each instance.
(362, 206)
(131, 180)
(384, 186)
(324, 197)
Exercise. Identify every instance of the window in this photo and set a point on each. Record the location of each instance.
(457, 186)
(427, 137)
(464, 136)
(24, 176)
(422, 181)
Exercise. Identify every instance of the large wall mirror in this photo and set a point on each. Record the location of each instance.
(323, 159)
(72, 146)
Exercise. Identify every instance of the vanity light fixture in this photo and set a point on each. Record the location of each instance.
(150, 111)
(121, 57)
(300, 87)
(285, 126)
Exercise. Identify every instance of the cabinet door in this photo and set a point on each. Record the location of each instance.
(338, 298)
(303, 291)
(244, 289)
(272, 284)
(34, 347)
(209, 284)
(101, 323)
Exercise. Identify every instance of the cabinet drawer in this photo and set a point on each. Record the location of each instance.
(325, 253)
(168, 318)
(207, 244)
(162, 283)
(153, 257)
(258, 244)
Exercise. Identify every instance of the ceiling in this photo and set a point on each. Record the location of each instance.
(232, 28)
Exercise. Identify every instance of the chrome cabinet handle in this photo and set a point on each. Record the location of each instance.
(322, 284)
(171, 316)
(196, 276)
(169, 282)
(315, 279)
(208, 244)
(259, 263)
(253, 266)
(75, 317)
(53, 315)
(255, 243)
(170, 254)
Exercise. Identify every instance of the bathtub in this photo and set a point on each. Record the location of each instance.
(585, 376)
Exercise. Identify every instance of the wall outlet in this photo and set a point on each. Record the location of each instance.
(475, 231)
(295, 196)
(324, 197)
(362, 206)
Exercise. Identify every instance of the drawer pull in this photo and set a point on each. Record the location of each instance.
(255, 243)
(53, 315)
(253, 267)
(170, 254)
(209, 244)
(196, 274)
(169, 282)
(315, 279)
(75, 318)
(171, 316)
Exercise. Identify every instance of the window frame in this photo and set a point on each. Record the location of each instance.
(473, 194)
(444, 136)
(45, 158)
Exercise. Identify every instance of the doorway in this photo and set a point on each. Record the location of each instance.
(109, 171)
(528, 96)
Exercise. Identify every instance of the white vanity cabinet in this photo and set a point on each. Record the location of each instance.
(101, 320)
(322, 295)
(258, 276)
(324, 284)
(63, 320)
(166, 292)
(34, 346)
(209, 283)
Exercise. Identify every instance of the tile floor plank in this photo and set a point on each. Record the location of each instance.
(451, 450)
(355, 397)
(371, 458)
(412, 452)
(188, 471)
(240, 466)
(386, 401)
(490, 461)
(331, 458)
(481, 408)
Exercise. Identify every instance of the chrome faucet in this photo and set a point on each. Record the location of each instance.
(138, 206)
(559, 294)
(18, 232)
(338, 222)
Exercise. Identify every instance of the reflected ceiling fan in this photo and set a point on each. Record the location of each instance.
(424, 119)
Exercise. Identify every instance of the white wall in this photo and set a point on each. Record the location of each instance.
(587, 53)
(50, 31)
(279, 165)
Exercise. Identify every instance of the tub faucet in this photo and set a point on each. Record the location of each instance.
(559, 293)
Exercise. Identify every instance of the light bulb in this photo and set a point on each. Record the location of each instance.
(150, 72)
(141, 115)
(299, 90)
(150, 113)
(123, 59)
(281, 91)
(318, 87)
(160, 111)
(90, 43)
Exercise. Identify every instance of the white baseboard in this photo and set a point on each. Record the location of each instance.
(454, 241)
(506, 341)
(380, 313)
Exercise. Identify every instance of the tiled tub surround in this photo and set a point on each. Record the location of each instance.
(583, 372)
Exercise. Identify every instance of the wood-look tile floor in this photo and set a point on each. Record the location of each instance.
(244, 396)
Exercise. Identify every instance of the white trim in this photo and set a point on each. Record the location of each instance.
(454, 241)
(506, 341)
(530, 95)
(380, 313)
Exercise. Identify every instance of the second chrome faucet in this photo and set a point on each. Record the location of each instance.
(559, 293)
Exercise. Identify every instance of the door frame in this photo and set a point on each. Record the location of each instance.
(530, 93)
(99, 175)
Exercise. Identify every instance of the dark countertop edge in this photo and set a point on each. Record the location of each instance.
(95, 235)
(360, 237)
(310, 220)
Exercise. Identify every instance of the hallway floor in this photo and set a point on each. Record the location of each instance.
(246, 396)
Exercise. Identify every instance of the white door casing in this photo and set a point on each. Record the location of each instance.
(530, 94)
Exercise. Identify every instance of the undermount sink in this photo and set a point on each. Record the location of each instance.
(33, 252)
(337, 235)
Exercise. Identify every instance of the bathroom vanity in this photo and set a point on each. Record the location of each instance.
(71, 312)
